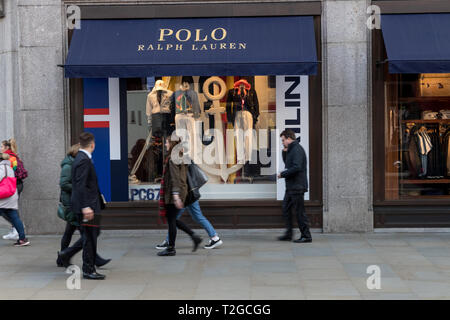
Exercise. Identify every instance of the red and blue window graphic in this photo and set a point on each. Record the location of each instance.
(105, 117)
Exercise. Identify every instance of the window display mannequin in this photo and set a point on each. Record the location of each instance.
(158, 109)
(186, 110)
(243, 111)
(158, 119)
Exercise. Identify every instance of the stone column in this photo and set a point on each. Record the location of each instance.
(8, 69)
(39, 115)
(346, 116)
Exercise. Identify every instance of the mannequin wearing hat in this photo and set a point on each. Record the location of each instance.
(186, 111)
(243, 112)
(158, 109)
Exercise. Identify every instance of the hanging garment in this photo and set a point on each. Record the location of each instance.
(424, 147)
(243, 126)
(247, 102)
(413, 154)
(435, 159)
(184, 102)
(447, 154)
(158, 101)
(424, 142)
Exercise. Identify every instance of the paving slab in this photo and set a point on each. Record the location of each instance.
(250, 265)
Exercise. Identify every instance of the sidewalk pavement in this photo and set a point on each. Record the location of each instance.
(250, 265)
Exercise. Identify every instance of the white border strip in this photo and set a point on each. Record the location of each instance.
(114, 124)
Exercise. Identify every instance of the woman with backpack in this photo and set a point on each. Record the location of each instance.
(10, 147)
(9, 203)
(173, 193)
(72, 224)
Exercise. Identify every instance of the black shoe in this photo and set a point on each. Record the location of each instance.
(65, 261)
(93, 276)
(59, 262)
(285, 238)
(169, 251)
(100, 262)
(303, 240)
(197, 240)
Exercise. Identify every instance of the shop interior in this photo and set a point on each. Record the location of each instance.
(417, 109)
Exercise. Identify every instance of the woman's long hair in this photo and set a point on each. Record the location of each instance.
(73, 150)
(11, 144)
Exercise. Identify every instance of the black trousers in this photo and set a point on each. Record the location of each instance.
(77, 246)
(174, 223)
(89, 237)
(67, 236)
(295, 203)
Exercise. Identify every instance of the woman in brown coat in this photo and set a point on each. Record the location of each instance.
(174, 190)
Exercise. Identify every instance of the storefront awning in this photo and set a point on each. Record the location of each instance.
(417, 43)
(210, 46)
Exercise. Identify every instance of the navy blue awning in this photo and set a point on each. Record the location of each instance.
(417, 43)
(210, 46)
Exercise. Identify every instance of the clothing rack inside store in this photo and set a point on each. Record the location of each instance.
(433, 125)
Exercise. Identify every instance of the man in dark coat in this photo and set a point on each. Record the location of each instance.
(295, 161)
(86, 203)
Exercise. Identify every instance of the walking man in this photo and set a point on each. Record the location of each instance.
(295, 162)
(86, 203)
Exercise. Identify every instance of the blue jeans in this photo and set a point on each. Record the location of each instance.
(197, 216)
(13, 216)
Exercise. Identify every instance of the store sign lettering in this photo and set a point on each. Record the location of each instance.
(142, 194)
(293, 100)
(170, 39)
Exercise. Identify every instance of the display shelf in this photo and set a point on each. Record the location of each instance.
(424, 99)
(427, 121)
(406, 197)
(425, 181)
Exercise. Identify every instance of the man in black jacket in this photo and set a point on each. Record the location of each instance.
(295, 161)
(86, 203)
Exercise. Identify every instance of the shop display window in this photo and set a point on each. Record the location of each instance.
(227, 126)
(417, 136)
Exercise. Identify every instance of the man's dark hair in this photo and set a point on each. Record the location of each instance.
(86, 138)
(288, 133)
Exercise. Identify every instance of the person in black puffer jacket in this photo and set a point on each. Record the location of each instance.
(295, 161)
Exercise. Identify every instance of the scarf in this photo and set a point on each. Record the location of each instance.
(162, 203)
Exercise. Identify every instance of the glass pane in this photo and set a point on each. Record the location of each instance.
(417, 109)
(226, 124)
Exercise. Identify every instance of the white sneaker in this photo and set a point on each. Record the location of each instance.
(213, 244)
(12, 235)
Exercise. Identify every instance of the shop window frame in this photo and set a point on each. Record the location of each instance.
(223, 213)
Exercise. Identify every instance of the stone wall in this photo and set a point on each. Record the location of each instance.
(39, 110)
(33, 108)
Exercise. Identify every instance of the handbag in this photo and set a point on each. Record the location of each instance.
(196, 177)
(61, 211)
(8, 185)
(66, 214)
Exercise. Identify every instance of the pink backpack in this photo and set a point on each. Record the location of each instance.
(7, 185)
